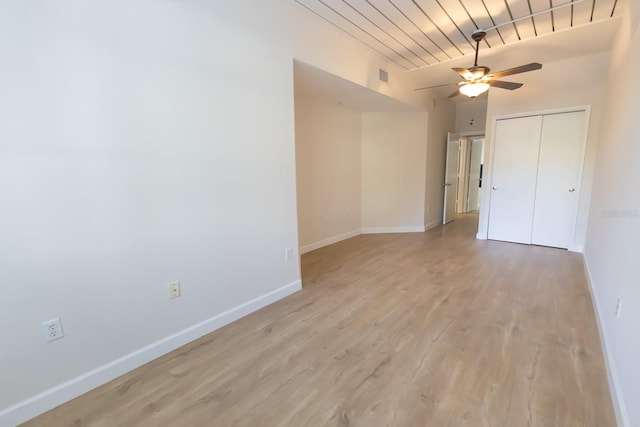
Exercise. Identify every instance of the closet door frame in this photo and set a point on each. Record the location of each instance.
(483, 228)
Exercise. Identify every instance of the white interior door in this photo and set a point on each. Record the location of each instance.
(513, 183)
(451, 178)
(560, 166)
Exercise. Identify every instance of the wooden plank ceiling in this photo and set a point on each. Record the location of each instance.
(415, 34)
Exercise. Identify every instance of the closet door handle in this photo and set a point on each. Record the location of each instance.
(571, 190)
(494, 188)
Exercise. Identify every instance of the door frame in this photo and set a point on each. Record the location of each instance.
(489, 149)
(470, 154)
(451, 138)
(464, 167)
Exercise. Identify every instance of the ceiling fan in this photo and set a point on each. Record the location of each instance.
(477, 79)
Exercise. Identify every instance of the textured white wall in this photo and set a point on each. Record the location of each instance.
(612, 249)
(393, 170)
(328, 170)
(471, 116)
(139, 146)
(319, 44)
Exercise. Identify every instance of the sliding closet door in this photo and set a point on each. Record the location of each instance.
(513, 184)
(561, 152)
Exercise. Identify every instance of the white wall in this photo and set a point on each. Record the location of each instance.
(612, 249)
(441, 121)
(471, 116)
(319, 44)
(142, 143)
(559, 84)
(393, 171)
(328, 171)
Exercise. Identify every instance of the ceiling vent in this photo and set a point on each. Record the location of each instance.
(384, 76)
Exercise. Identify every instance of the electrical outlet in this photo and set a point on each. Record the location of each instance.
(52, 330)
(618, 308)
(174, 290)
(288, 254)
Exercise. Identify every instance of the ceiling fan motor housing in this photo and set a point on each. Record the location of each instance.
(478, 72)
(477, 79)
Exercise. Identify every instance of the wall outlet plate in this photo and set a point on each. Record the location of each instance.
(52, 329)
(174, 290)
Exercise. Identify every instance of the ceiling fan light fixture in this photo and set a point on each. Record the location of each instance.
(474, 89)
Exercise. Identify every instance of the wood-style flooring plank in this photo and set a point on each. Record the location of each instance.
(417, 329)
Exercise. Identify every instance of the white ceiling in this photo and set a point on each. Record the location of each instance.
(414, 34)
(579, 41)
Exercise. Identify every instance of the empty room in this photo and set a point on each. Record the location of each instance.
(320, 213)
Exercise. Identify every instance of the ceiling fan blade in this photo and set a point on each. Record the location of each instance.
(516, 70)
(433, 87)
(464, 73)
(505, 85)
(454, 94)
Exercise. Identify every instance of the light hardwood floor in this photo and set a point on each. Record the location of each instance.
(419, 329)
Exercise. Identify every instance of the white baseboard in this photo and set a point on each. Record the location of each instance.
(433, 224)
(328, 241)
(481, 236)
(369, 230)
(49, 399)
(619, 407)
(382, 230)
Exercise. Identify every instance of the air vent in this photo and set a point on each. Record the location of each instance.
(384, 76)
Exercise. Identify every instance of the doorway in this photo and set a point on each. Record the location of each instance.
(470, 173)
(463, 175)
